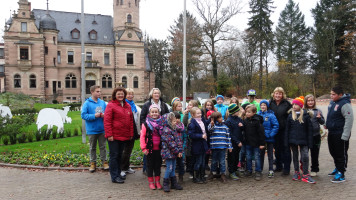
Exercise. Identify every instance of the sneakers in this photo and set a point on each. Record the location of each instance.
(92, 167)
(129, 171)
(313, 174)
(333, 173)
(105, 165)
(296, 176)
(285, 173)
(338, 178)
(308, 179)
(122, 175)
(248, 174)
(258, 176)
(270, 174)
(233, 176)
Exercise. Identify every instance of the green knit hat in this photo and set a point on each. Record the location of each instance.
(233, 108)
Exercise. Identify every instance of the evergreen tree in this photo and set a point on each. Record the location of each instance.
(292, 38)
(260, 31)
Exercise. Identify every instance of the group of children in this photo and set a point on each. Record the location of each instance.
(243, 132)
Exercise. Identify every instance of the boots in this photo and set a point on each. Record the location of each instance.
(174, 184)
(166, 184)
(92, 167)
(202, 175)
(105, 165)
(157, 182)
(210, 176)
(196, 177)
(151, 183)
(180, 178)
(223, 178)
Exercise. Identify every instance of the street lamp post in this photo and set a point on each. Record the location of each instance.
(184, 56)
(82, 31)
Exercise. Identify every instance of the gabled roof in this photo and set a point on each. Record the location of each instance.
(66, 22)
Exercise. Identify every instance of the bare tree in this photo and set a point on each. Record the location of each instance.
(215, 15)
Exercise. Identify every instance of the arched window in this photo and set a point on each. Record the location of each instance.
(17, 81)
(124, 82)
(107, 81)
(135, 82)
(129, 18)
(71, 81)
(32, 81)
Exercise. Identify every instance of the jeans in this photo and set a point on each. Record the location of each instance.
(338, 150)
(253, 152)
(242, 155)
(93, 139)
(218, 159)
(199, 161)
(314, 153)
(144, 167)
(115, 147)
(282, 153)
(269, 147)
(233, 158)
(170, 168)
(180, 165)
(304, 155)
(125, 161)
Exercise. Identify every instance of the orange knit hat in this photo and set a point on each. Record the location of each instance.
(299, 101)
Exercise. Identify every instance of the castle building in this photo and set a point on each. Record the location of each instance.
(42, 51)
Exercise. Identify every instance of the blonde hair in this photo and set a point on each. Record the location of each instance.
(130, 90)
(153, 90)
(194, 103)
(194, 110)
(306, 101)
(175, 104)
(300, 118)
(279, 89)
(252, 107)
(234, 99)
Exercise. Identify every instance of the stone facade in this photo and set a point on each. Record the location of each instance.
(43, 53)
(2, 68)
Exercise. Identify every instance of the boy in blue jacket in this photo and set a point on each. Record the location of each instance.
(236, 139)
(271, 125)
(93, 113)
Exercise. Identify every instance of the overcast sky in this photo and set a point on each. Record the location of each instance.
(156, 16)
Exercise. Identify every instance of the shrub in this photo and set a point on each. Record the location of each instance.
(76, 132)
(54, 133)
(38, 135)
(30, 136)
(61, 134)
(5, 139)
(12, 134)
(54, 101)
(21, 138)
(68, 133)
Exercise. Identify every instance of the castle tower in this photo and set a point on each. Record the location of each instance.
(129, 47)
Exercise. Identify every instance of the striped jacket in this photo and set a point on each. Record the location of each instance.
(219, 136)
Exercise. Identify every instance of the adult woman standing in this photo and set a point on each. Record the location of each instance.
(119, 128)
(155, 98)
(280, 106)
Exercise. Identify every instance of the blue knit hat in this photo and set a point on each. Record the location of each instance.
(220, 96)
(265, 102)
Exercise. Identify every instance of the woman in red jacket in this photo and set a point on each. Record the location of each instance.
(118, 124)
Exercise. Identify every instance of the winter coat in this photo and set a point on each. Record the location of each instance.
(270, 124)
(219, 136)
(223, 109)
(198, 144)
(235, 131)
(171, 141)
(146, 107)
(281, 112)
(93, 125)
(119, 121)
(299, 133)
(254, 131)
(316, 122)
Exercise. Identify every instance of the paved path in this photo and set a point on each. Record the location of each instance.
(34, 184)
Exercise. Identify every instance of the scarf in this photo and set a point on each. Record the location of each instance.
(132, 104)
(153, 123)
(158, 104)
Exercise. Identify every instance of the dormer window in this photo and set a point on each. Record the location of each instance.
(129, 18)
(93, 35)
(75, 33)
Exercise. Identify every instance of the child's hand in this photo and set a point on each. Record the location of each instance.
(204, 136)
(180, 155)
(240, 124)
(230, 150)
(111, 138)
(97, 115)
(240, 144)
(145, 152)
(262, 147)
(212, 122)
(318, 115)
